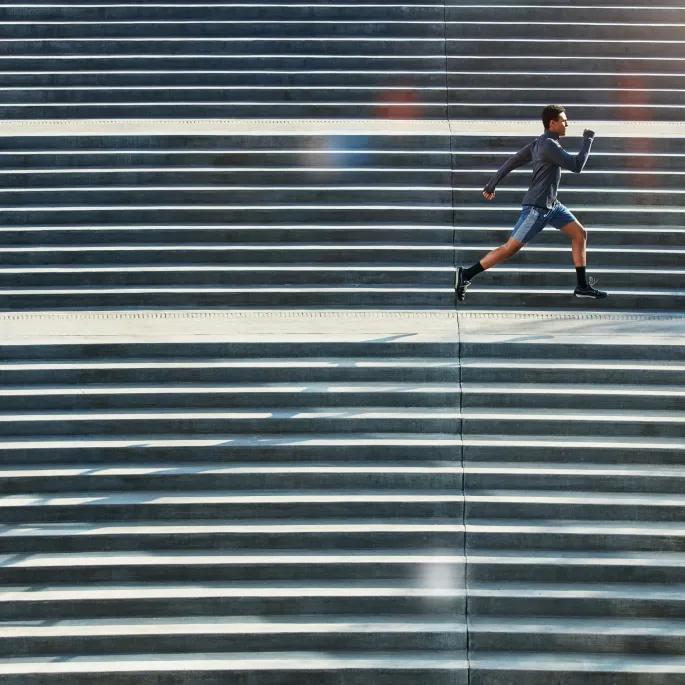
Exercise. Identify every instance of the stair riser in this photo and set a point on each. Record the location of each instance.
(276, 374)
(220, 676)
(237, 483)
(369, 108)
(234, 606)
(299, 449)
(564, 511)
(541, 426)
(580, 483)
(436, 279)
(563, 607)
(218, 642)
(217, 400)
(625, 453)
(561, 573)
(370, 541)
(208, 427)
(256, 511)
(182, 573)
(260, 214)
(558, 642)
(592, 541)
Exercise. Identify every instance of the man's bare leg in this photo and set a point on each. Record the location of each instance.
(492, 258)
(578, 235)
(500, 254)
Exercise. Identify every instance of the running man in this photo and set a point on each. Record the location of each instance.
(540, 204)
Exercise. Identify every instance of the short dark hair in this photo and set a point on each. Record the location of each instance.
(551, 113)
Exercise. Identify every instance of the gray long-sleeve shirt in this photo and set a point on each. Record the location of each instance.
(548, 158)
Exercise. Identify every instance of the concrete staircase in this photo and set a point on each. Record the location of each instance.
(604, 60)
(380, 506)
(342, 59)
(198, 513)
(256, 219)
(226, 59)
(573, 468)
(277, 215)
(346, 511)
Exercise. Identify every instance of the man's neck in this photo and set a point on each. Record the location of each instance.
(551, 134)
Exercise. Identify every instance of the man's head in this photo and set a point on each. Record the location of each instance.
(554, 119)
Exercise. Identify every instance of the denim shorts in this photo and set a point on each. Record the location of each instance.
(533, 219)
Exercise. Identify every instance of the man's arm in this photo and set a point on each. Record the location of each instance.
(523, 156)
(557, 155)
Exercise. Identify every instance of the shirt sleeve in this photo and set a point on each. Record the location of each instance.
(555, 154)
(523, 156)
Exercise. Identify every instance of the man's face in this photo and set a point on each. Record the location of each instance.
(559, 125)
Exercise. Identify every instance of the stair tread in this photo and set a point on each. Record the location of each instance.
(229, 625)
(192, 527)
(250, 661)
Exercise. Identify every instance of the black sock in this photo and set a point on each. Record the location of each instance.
(582, 279)
(472, 271)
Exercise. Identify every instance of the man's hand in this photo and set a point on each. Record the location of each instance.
(587, 133)
(488, 196)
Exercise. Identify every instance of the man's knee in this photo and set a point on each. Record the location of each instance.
(578, 232)
(512, 247)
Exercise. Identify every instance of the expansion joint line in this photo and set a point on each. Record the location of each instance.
(460, 396)
(451, 152)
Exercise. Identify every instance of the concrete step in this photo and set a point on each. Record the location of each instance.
(592, 478)
(225, 634)
(245, 196)
(215, 397)
(302, 448)
(437, 214)
(248, 278)
(212, 566)
(220, 254)
(109, 46)
(232, 234)
(562, 600)
(608, 107)
(147, 600)
(264, 668)
(557, 298)
(653, 569)
(273, 179)
(617, 236)
(105, 15)
(591, 450)
(580, 505)
(523, 27)
(575, 536)
(151, 536)
(575, 669)
(226, 368)
(578, 636)
(606, 354)
(245, 477)
(550, 396)
(255, 505)
(264, 421)
(588, 422)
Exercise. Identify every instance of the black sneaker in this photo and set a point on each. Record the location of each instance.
(460, 285)
(590, 292)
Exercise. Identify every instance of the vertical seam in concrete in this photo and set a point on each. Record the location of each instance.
(450, 165)
(463, 507)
